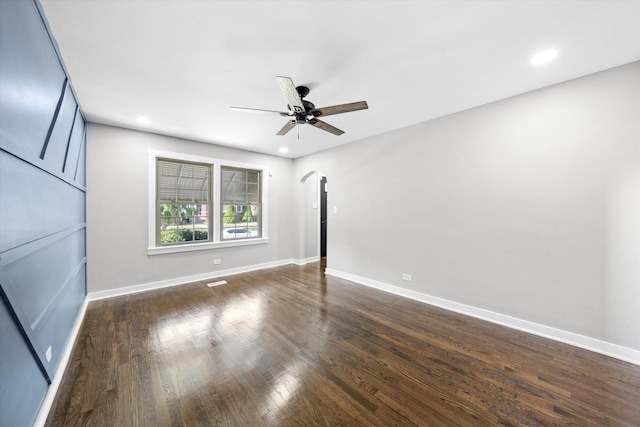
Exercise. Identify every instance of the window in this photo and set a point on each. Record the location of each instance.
(201, 203)
(184, 193)
(240, 203)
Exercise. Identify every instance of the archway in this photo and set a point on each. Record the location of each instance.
(313, 223)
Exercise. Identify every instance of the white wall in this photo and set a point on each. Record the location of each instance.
(117, 212)
(528, 207)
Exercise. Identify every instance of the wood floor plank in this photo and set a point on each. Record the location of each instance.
(290, 347)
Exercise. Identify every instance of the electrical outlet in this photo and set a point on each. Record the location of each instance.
(217, 261)
(406, 277)
(48, 354)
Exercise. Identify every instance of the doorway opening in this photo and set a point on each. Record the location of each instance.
(323, 217)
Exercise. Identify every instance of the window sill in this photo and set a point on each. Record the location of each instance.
(205, 246)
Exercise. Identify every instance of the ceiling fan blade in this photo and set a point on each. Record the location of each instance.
(287, 127)
(339, 109)
(290, 92)
(325, 126)
(259, 110)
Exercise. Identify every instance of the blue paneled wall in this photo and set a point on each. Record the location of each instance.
(42, 211)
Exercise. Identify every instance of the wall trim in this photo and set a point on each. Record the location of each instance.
(305, 261)
(170, 249)
(62, 367)
(127, 290)
(592, 344)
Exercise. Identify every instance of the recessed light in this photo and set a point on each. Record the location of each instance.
(143, 120)
(544, 57)
(284, 150)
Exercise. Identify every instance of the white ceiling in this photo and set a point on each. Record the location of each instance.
(183, 63)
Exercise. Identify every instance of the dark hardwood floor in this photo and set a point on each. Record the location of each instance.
(289, 347)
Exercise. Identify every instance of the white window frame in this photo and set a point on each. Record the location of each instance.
(215, 205)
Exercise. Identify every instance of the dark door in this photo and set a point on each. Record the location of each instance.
(323, 217)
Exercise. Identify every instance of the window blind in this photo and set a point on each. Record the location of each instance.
(240, 186)
(181, 182)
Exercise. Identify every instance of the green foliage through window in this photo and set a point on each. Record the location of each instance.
(229, 215)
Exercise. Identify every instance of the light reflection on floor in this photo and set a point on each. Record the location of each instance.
(205, 345)
(209, 341)
(243, 315)
(169, 332)
(286, 387)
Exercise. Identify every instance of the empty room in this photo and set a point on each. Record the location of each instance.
(319, 213)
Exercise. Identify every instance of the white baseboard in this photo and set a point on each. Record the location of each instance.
(62, 366)
(609, 349)
(110, 293)
(305, 261)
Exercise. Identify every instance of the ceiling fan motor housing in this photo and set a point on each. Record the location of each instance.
(308, 105)
(309, 108)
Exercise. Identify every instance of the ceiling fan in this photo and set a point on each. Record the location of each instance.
(302, 111)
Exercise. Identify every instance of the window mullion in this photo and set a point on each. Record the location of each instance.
(216, 204)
